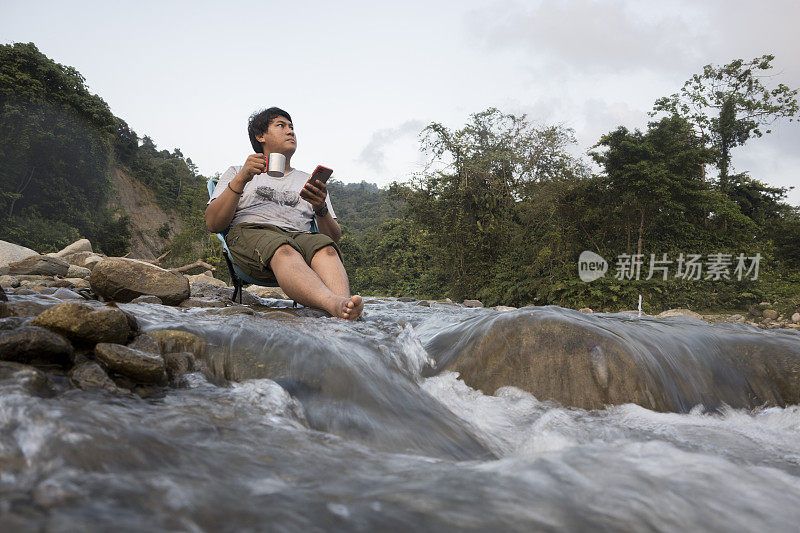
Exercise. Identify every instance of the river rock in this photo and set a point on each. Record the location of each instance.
(678, 312)
(84, 323)
(29, 344)
(82, 245)
(421, 303)
(65, 294)
(78, 283)
(91, 375)
(78, 272)
(770, 314)
(121, 279)
(84, 259)
(588, 363)
(139, 366)
(145, 343)
(23, 308)
(503, 308)
(173, 340)
(178, 363)
(796, 318)
(9, 282)
(12, 322)
(11, 253)
(147, 299)
(274, 293)
(205, 290)
(39, 265)
(203, 278)
(406, 299)
(236, 310)
(586, 310)
(202, 302)
(3, 297)
(472, 303)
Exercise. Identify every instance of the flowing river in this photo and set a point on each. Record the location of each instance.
(313, 424)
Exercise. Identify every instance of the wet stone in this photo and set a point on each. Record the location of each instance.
(30, 344)
(178, 363)
(145, 343)
(137, 365)
(424, 303)
(406, 299)
(12, 322)
(23, 308)
(472, 303)
(172, 340)
(83, 323)
(205, 290)
(3, 297)
(236, 310)
(66, 294)
(89, 375)
(147, 299)
(199, 302)
(32, 379)
(24, 291)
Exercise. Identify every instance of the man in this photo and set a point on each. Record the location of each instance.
(270, 220)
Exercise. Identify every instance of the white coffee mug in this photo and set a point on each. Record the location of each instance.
(276, 165)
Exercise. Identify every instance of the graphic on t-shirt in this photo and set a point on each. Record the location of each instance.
(289, 198)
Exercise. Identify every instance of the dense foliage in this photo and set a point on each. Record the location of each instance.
(58, 143)
(55, 149)
(507, 212)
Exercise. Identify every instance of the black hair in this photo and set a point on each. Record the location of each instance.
(260, 121)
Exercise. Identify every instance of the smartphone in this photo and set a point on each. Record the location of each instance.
(321, 174)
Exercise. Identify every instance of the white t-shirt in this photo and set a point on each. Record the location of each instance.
(270, 200)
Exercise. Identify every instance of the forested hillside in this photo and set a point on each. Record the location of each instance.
(58, 146)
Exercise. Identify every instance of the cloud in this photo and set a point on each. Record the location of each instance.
(589, 35)
(374, 153)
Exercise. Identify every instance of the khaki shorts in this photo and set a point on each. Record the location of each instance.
(253, 245)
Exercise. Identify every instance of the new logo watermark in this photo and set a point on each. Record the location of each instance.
(591, 266)
(712, 267)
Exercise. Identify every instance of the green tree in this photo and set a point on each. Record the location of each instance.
(730, 104)
(466, 201)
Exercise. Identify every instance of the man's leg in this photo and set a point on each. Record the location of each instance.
(303, 285)
(329, 268)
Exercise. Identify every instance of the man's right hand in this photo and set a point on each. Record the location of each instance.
(255, 164)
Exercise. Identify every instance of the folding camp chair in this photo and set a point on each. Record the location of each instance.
(238, 277)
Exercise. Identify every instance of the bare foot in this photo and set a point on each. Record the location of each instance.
(349, 308)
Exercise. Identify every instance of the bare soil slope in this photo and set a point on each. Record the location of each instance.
(146, 217)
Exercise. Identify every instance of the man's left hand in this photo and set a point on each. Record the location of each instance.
(314, 192)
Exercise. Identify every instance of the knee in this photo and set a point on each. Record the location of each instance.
(328, 251)
(285, 251)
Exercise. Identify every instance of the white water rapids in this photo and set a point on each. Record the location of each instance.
(349, 437)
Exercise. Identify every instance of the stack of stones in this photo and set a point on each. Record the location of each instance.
(96, 346)
(59, 320)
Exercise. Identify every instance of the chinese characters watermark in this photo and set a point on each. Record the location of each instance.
(712, 267)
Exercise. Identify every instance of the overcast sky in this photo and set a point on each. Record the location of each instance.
(361, 81)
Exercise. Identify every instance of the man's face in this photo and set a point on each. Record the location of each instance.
(279, 137)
